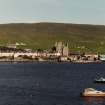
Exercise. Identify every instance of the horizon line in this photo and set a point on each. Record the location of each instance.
(33, 22)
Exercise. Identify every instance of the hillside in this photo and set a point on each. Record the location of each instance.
(89, 38)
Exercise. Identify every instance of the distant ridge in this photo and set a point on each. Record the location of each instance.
(81, 37)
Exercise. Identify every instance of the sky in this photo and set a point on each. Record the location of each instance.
(60, 11)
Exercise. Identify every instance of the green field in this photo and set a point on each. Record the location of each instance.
(81, 38)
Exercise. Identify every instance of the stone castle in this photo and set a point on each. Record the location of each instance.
(62, 48)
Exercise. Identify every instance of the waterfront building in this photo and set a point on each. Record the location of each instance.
(64, 58)
(92, 57)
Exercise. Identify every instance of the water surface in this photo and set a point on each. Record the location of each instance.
(49, 83)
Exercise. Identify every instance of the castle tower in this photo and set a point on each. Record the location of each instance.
(62, 48)
(65, 50)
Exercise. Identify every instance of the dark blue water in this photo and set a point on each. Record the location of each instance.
(49, 84)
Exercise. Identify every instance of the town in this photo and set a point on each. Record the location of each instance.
(58, 53)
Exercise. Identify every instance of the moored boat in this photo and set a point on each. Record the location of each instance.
(100, 80)
(90, 92)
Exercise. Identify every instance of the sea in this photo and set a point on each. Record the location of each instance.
(47, 83)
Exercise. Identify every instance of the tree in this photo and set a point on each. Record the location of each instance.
(53, 49)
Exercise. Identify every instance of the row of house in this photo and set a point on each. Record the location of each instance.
(61, 51)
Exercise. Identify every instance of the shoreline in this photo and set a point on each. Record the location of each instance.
(26, 61)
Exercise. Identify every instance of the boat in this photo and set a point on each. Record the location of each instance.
(100, 80)
(90, 92)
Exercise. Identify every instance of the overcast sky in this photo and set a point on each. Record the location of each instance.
(65, 11)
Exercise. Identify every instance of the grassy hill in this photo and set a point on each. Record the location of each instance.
(90, 38)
